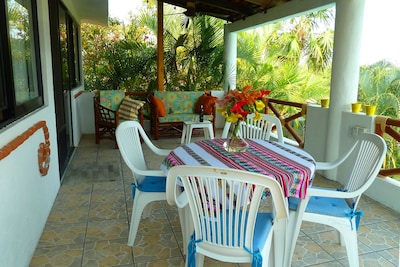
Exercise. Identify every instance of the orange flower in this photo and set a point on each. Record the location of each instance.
(237, 104)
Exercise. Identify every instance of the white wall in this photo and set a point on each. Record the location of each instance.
(315, 132)
(82, 113)
(26, 197)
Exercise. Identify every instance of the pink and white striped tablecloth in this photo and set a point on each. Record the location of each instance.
(292, 167)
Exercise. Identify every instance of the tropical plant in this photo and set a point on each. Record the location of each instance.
(379, 85)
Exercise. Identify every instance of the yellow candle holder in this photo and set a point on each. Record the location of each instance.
(325, 103)
(356, 107)
(370, 110)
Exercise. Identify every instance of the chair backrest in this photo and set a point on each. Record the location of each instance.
(129, 135)
(363, 160)
(261, 129)
(224, 203)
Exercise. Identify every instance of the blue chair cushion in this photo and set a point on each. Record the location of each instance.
(330, 206)
(262, 228)
(151, 184)
(337, 207)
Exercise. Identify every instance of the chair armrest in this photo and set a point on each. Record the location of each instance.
(333, 164)
(161, 152)
(331, 192)
(105, 114)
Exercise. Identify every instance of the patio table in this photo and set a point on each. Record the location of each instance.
(292, 167)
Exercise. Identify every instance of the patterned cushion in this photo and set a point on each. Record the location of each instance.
(111, 98)
(179, 102)
(128, 110)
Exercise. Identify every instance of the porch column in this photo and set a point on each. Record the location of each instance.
(230, 54)
(345, 70)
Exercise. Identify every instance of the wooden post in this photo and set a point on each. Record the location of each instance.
(160, 46)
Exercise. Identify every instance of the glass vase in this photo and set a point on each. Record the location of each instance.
(236, 143)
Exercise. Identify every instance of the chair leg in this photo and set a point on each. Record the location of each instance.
(199, 260)
(187, 227)
(146, 212)
(137, 209)
(349, 238)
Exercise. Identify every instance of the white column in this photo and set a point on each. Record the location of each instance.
(345, 69)
(230, 54)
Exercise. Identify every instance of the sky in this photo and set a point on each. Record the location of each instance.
(121, 8)
(380, 34)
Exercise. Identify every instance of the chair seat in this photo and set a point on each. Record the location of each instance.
(330, 206)
(152, 184)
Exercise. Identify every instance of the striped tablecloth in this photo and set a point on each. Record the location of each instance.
(292, 167)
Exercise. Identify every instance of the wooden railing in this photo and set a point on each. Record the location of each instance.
(277, 106)
(385, 125)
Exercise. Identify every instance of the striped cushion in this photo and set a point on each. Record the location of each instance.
(128, 110)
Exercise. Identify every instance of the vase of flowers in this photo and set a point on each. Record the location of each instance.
(235, 106)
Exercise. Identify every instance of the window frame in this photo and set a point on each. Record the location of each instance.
(10, 111)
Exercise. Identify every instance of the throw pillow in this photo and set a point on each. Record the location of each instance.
(208, 102)
(128, 110)
(155, 101)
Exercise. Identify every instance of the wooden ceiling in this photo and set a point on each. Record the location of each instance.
(229, 10)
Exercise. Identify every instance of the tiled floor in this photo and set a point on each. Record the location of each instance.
(89, 223)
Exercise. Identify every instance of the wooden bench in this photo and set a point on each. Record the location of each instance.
(170, 109)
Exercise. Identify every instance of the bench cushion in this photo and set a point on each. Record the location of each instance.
(179, 102)
(111, 98)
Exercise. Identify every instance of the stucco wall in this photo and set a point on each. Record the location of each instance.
(26, 197)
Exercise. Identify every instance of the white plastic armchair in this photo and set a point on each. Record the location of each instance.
(338, 208)
(148, 185)
(260, 129)
(224, 207)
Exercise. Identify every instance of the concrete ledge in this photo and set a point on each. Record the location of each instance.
(386, 191)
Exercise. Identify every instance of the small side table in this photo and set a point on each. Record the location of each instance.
(188, 127)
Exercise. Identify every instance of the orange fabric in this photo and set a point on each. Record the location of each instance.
(159, 104)
(208, 102)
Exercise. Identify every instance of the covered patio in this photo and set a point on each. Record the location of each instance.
(86, 215)
(89, 222)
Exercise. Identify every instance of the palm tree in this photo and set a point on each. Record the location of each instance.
(379, 85)
(292, 58)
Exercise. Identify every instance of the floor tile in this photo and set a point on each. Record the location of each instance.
(89, 222)
(107, 253)
(60, 256)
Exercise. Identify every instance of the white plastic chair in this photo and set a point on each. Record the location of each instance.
(338, 208)
(224, 207)
(260, 129)
(148, 185)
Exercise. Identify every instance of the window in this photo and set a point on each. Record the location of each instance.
(21, 86)
(69, 48)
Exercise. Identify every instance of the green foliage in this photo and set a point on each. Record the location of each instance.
(291, 58)
(379, 85)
